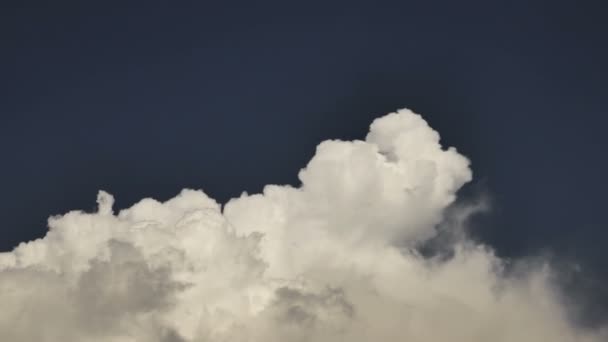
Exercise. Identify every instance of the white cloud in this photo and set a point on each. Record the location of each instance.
(331, 260)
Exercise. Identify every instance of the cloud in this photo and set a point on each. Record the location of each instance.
(335, 259)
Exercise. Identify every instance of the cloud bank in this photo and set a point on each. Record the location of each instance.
(334, 259)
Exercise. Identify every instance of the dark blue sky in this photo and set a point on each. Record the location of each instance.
(143, 101)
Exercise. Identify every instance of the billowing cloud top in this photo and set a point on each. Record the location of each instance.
(332, 260)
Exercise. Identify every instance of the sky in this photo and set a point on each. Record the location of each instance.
(143, 101)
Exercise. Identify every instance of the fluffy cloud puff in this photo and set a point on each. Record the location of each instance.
(331, 260)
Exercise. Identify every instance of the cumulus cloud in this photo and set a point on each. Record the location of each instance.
(334, 259)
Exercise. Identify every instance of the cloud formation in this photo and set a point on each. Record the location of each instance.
(334, 259)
